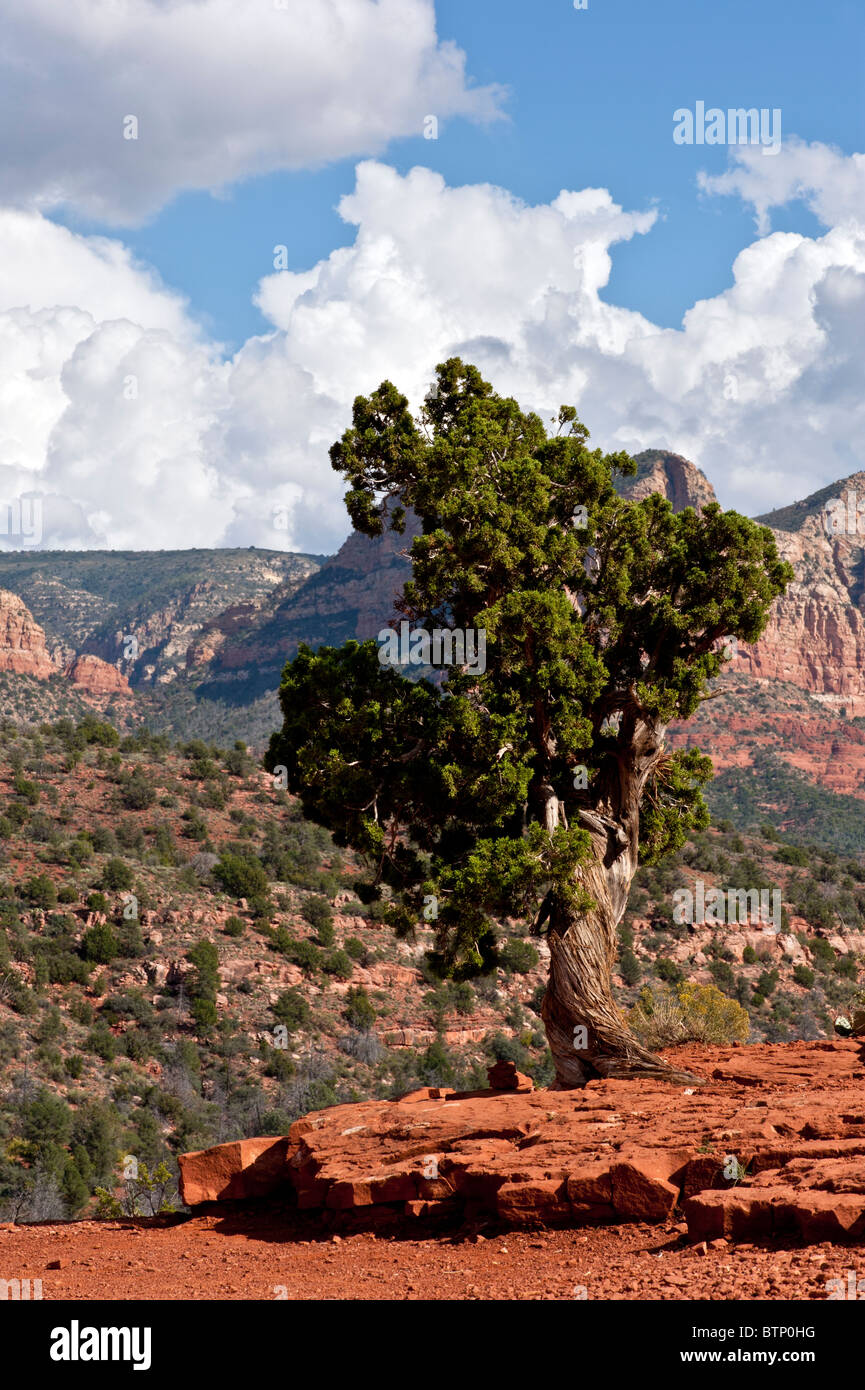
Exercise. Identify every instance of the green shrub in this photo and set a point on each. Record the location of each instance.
(204, 1015)
(205, 958)
(39, 891)
(722, 974)
(821, 951)
(690, 1013)
(791, 854)
(338, 963)
(136, 791)
(518, 957)
(99, 944)
(749, 956)
(292, 1010)
(629, 967)
(241, 877)
(359, 1011)
(668, 971)
(117, 877)
(303, 953)
(101, 1041)
(234, 926)
(317, 912)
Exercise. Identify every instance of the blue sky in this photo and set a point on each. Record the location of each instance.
(163, 384)
(590, 101)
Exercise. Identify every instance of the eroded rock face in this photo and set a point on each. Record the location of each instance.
(815, 636)
(773, 1141)
(97, 677)
(22, 641)
(24, 651)
(674, 477)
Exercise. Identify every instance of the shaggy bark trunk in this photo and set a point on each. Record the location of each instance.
(587, 1032)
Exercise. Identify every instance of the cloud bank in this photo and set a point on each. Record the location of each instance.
(117, 105)
(141, 434)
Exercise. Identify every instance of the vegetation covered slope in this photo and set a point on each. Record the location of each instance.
(165, 913)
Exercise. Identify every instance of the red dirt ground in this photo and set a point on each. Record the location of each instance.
(277, 1254)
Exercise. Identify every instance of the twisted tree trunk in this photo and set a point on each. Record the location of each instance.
(587, 1032)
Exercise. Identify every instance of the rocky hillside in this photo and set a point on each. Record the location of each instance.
(184, 960)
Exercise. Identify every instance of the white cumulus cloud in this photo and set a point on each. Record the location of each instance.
(761, 385)
(220, 90)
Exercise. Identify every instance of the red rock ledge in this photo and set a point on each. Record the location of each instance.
(792, 1117)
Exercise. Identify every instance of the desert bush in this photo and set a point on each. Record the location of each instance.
(39, 891)
(303, 952)
(117, 877)
(668, 971)
(359, 1011)
(338, 963)
(241, 877)
(629, 967)
(688, 1013)
(135, 790)
(99, 944)
(501, 1048)
(518, 957)
(292, 1010)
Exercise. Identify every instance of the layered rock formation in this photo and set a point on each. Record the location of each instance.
(772, 1142)
(22, 640)
(24, 651)
(815, 637)
(96, 676)
(674, 477)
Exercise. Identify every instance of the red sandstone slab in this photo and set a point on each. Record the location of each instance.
(247, 1168)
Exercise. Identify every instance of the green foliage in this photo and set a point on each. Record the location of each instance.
(591, 630)
(359, 1011)
(830, 818)
(338, 963)
(204, 956)
(518, 957)
(135, 790)
(668, 970)
(292, 1010)
(39, 891)
(99, 944)
(205, 1015)
(823, 954)
(117, 877)
(630, 968)
(241, 877)
(318, 914)
(303, 953)
(792, 854)
(722, 974)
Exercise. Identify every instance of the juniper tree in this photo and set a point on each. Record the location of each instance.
(530, 790)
